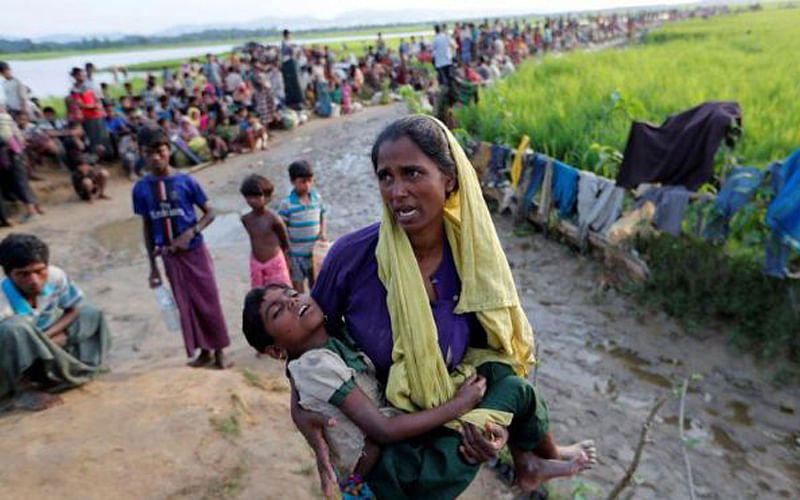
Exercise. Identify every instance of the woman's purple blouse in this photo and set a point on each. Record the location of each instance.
(352, 296)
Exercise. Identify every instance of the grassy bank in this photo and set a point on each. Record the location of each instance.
(568, 103)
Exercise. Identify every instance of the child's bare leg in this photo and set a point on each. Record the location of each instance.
(88, 185)
(102, 180)
(532, 470)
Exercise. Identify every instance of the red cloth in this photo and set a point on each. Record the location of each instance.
(87, 98)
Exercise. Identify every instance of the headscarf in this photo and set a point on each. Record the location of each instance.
(418, 378)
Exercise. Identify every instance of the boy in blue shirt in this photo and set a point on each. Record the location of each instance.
(166, 201)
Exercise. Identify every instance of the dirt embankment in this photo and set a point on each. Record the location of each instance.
(153, 428)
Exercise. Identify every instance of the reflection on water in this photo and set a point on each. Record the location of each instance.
(124, 238)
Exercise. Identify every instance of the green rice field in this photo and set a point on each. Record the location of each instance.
(567, 104)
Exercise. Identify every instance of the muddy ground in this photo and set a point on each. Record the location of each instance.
(153, 428)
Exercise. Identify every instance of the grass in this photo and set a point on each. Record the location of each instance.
(578, 107)
(567, 104)
(227, 425)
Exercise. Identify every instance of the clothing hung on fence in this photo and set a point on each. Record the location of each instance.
(681, 151)
(481, 157)
(783, 216)
(599, 204)
(671, 203)
(497, 163)
(738, 190)
(536, 164)
(516, 165)
(565, 188)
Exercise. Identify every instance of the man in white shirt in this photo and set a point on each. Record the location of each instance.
(442, 57)
(15, 93)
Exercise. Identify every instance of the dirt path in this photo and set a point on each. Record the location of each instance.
(153, 428)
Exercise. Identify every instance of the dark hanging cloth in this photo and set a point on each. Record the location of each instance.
(681, 151)
(294, 96)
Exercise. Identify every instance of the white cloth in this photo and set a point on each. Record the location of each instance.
(232, 80)
(15, 94)
(318, 374)
(441, 50)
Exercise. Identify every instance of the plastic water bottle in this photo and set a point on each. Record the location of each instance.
(169, 311)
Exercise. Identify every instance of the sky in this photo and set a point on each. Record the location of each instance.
(36, 18)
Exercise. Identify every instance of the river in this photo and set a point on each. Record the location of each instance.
(46, 77)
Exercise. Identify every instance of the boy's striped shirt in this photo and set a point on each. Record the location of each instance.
(302, 222)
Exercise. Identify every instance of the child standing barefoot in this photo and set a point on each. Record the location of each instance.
(303, 212)
(269, 240)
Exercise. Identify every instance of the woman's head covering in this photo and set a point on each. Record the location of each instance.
(418, 378)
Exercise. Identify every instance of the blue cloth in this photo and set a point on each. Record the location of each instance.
(783, 213)
(565, 188)
(737, 191)
(538, 163)
(115, 124)
(169, 204)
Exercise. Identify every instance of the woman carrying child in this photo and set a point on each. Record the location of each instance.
(427, 295)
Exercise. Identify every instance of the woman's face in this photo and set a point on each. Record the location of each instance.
(412, 185)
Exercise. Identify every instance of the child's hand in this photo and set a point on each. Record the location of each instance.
(471, 392)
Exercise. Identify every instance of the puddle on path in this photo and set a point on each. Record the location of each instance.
(723, 439)
(673, 420)
(634, 363)
(121, 237)
(124, 237)
(740, 413)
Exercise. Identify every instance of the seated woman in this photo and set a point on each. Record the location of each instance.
(193, 139)
(434, 266)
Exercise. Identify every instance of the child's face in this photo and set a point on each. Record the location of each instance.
(290, 317)
(302, 185)
(256, 202)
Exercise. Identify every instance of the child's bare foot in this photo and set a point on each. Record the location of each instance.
(37, 401)
(532, 471)
(204, 359)
(104, 197)
(573, 451)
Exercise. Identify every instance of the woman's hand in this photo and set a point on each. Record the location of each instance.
(476, 447)
(312, 426)
(470, 393)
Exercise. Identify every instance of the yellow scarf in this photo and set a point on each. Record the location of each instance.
(418, 378)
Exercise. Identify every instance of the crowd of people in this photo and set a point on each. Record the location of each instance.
(213, 107)
(448, 342)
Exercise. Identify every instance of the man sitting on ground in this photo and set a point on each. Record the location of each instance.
(50, 339)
